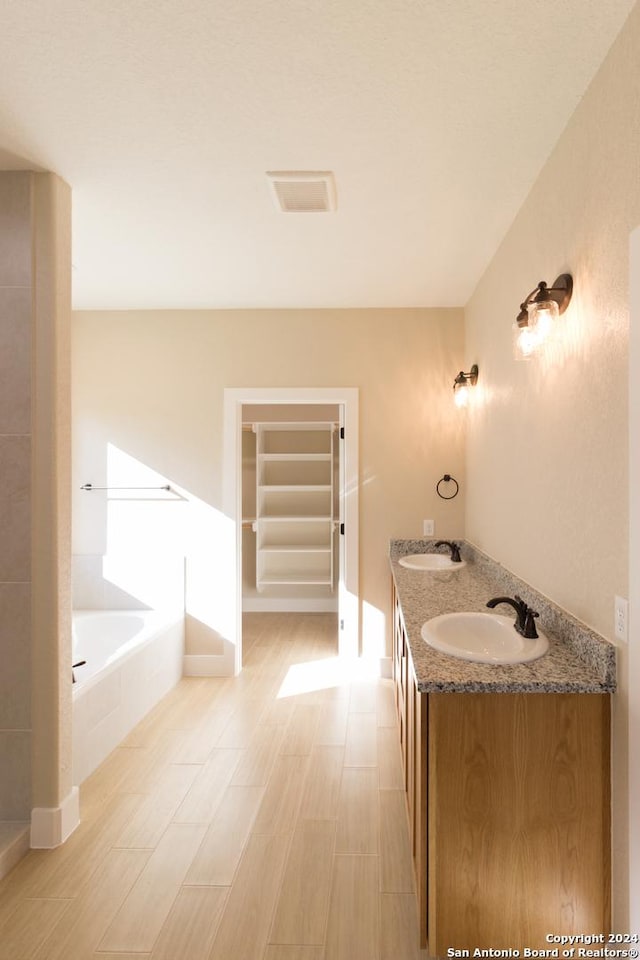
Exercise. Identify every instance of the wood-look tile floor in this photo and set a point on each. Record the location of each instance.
(260, 817)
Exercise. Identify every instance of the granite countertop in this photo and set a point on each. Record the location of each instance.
(578, 660)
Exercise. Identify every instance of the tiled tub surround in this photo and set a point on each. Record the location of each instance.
(129, 619)
(139, 580)
(143, 663)
(578, 661)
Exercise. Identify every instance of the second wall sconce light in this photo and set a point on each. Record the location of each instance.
(538, 312)
(461, 386)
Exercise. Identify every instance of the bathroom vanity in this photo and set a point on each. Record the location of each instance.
(507, 769)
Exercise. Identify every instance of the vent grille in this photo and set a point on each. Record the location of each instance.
(298, 191)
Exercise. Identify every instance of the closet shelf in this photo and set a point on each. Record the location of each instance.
(294, 548)
(288, 426)
(293, 579)
(297, 518)
(294, 488)
(296, 457)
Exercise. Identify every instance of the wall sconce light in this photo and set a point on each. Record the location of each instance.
(538, 312)
(461, 386)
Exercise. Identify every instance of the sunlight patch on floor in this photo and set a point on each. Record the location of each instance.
(326, 673)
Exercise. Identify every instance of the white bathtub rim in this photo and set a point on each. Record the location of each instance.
(155, 622)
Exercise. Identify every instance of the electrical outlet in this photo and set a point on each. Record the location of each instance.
(428, 528)
(621, 617)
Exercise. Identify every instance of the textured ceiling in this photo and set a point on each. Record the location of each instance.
(164, 115)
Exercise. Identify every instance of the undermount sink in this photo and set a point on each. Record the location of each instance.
(429, 561)
(482, 637)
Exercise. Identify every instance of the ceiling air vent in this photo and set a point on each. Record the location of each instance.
(303, 191)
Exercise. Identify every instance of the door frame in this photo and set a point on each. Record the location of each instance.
(348, 581)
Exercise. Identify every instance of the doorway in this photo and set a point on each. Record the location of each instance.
(345, 401)
(290, 508)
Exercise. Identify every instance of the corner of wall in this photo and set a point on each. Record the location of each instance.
(51, 826)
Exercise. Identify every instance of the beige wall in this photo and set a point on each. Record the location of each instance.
(547, 447)
(152, 384)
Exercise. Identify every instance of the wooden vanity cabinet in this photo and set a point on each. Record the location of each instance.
(411, 708)
(508, 798)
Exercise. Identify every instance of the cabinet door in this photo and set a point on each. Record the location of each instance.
(420, 794)
(400, 677)
(519, 818)
(410, 748)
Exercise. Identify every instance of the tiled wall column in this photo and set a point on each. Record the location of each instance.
(54, 800)
(15, 492)
(35, 594)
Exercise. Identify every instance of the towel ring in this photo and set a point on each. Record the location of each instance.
(446, 479)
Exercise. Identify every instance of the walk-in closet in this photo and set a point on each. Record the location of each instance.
(291, 507)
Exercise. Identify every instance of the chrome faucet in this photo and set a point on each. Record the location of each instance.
(524, 615)
(455, 549)
(80, 663)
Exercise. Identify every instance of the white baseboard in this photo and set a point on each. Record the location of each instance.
(386, 668)
(206, 665)
(50, 826)
(288, 605)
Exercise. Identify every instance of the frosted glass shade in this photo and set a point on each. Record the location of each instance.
(528, 339)
(461, 395)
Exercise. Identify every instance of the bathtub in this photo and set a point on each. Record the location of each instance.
(133, 658)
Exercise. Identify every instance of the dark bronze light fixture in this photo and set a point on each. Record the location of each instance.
(461, 385)
(538, 312)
